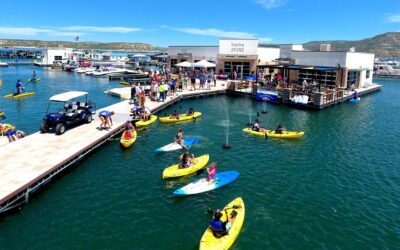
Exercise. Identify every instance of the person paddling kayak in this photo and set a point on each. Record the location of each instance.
(257, 126)
(33, 76)
(219, 227)
(186, 160)
(175, 115)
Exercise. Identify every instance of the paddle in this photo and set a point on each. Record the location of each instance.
(233, 207)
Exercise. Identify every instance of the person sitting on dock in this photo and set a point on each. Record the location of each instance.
(20, 134)
(9, 131)
(190, 112)
(106, 120)
(212, 173)
(175, 115)
(279, 130)
(145, 114)
(20, 87)
(179, 138)
(355, 95)
(186, 160)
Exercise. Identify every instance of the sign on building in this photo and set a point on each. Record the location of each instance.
(238, 47)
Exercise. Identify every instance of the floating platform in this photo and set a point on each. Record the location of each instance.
(47, 155)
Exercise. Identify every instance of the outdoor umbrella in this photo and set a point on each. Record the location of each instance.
(184, 64)
(203, 64)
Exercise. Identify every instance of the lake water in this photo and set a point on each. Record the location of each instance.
(337, 187)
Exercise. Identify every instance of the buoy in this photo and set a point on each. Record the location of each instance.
(226, 146)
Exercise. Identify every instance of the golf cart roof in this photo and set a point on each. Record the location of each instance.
(67, 96)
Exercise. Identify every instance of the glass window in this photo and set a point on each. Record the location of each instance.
(368, 74)
(173, 62)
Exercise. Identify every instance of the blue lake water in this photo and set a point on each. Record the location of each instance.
(337, 187)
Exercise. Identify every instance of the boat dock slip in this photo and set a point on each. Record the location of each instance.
(46, 155)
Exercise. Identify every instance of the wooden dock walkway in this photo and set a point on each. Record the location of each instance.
(46, 155)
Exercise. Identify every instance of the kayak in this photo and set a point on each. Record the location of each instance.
(355, 100)
(4, 127)
(202, 185)
(141, 123)
(126, 140)
(174, 146)
(271, 133)
(183, 117)
(124, 83)
(209, 241)
(35, 80)
(175, 171)
(20, 95)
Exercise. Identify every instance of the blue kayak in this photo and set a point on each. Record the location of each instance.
(174, 146)
(202, 185)
(354, 100)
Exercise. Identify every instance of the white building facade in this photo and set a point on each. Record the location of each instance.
(357, 67)
(50, 56)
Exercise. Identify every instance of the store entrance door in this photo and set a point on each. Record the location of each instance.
(239, 70)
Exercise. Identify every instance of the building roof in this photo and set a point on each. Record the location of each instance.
(296, 67)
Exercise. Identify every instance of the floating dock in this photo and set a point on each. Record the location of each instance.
(47, 155)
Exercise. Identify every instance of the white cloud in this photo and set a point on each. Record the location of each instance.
(217, 33)
(270, 4)
(393, 18)
(265, 39)
(72, 34)
(102, 29)
(22, 31)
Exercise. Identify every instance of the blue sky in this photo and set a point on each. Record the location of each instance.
(185, 22)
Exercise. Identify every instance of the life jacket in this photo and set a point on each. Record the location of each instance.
(217, 226)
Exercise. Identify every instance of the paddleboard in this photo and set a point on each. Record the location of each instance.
(202, 185)
(355, 100)
(20, 95)
(174, 146)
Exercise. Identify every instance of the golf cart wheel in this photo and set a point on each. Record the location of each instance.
(60, 129)
(88, 119)
(43, 128)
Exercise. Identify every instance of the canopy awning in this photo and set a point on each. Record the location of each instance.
(203, 64)
(64, 97)
(184, 64)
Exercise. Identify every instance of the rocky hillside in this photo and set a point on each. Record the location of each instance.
(384, 45)
(82, 45)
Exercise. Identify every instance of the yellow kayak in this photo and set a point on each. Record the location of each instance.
(4, 127)
(35, 80)
(125, 83)
(271, 133)
(210, 242)
(175, 171)
(141, 123)
(183, 117)
(127, 141)
(20, 95)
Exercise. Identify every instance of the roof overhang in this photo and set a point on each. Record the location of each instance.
(64, 97)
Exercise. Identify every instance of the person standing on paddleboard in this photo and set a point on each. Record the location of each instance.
(179, 139)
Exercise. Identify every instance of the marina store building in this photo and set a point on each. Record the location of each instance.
(247, 57)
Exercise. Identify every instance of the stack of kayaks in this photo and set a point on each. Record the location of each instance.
(175, 146)
(175, 171)
(19, 95)
(271, 133)
(210, 242)
(182, 118)
(128, 140)
(34, 80)
(203, 185)
(141, 123)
